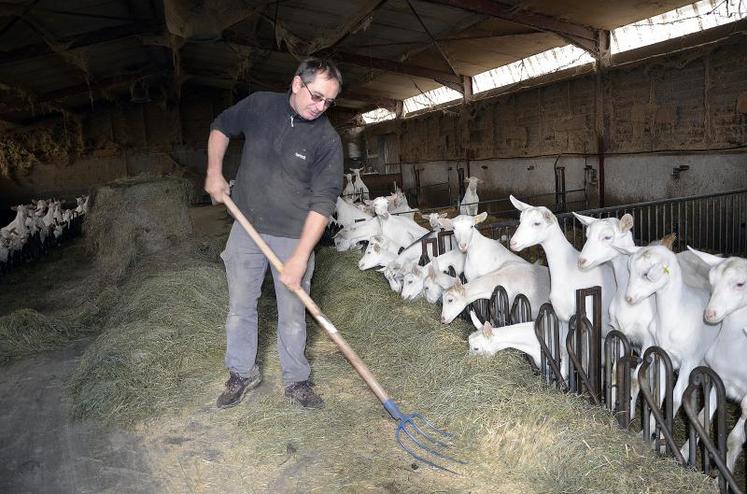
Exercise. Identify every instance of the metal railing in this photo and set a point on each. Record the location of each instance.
(713, 222)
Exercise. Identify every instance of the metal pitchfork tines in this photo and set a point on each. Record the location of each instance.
(414, 433)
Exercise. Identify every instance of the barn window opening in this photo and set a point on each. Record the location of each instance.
(430, 99)
(378, 115)
(689, 19)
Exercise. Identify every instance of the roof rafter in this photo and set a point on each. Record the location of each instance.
(350, 26)
(595, 41)
(446, 78)
(99, 36)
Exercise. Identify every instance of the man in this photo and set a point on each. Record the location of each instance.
(287, 183)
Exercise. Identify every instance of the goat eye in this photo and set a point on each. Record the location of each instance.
(537, 223)
(608, 237)
(740, 284)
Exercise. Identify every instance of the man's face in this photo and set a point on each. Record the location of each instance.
(303, 95)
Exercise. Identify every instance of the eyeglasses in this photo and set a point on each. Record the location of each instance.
(316, 98)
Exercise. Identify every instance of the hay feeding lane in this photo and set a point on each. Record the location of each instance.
(161, 357)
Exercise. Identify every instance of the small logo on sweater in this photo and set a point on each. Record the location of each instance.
(299, 155)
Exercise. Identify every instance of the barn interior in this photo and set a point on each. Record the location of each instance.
(118, 332)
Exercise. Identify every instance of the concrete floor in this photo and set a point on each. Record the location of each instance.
(42, 450)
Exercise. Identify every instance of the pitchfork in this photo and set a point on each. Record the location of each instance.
(414, 433)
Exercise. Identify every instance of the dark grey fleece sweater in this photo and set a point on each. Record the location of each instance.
(289, 166)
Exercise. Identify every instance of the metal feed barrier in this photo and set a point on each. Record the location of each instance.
(608, 381)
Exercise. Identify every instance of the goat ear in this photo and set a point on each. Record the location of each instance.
(481, 217)
(521, 206)
(668, 241)
(585, 220)
(626, 249)
(447, 223)
(547, 214)
(475, 321)
(626, 222)
(381, 270)
(487, 330)
(443, 215)
(432, 269)
(707, 258)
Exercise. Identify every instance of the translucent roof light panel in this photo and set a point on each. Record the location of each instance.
(429, 99)
(689, 19)
(528, 68)
(378, 115)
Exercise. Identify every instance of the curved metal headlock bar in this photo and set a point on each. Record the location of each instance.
(521, 310)
(424, 243)
(500, 310)
(579, 344)
(657, 358)
(481, 306)
(704, 380)
(617, 368)
(547, 328)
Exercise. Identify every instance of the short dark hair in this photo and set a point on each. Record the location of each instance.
(310, 67)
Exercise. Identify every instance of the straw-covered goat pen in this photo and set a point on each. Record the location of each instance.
(154, 365)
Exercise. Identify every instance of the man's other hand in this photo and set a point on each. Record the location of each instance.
(293, 271)
(217, 187)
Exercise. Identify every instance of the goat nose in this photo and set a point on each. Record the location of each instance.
(512, 244)
(629, 299)
(582, 262)
(710, 314)
(443, 320)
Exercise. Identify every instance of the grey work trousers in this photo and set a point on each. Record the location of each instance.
(245, 270)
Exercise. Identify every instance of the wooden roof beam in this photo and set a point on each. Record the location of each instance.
(350, 26)
(446, 78)
(99, 36)
(595, 41)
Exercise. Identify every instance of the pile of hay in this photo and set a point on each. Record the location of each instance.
(160, 361)
(136, 217)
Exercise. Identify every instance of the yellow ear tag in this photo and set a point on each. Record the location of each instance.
(666, 269)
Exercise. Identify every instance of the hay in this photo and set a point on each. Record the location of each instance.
(26, 331)
(160, 358)
(136, 217)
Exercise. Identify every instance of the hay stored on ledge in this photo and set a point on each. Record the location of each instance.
(160, 359)
(136, 217)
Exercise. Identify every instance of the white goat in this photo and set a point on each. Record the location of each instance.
(436, 282)
(728, 306)
(380, 252)
(470, 199)
(484, 255)
(348, 213)
(539, 226)
(680, 329)
(360, 188)
(403, 231)
(530, 279)
(485, 341)
(349, 191)
(415, 279)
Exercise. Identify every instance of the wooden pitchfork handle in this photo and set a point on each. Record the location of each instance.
(360, 367)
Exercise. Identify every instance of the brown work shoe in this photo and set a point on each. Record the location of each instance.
(301, 393)
(237, 387)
